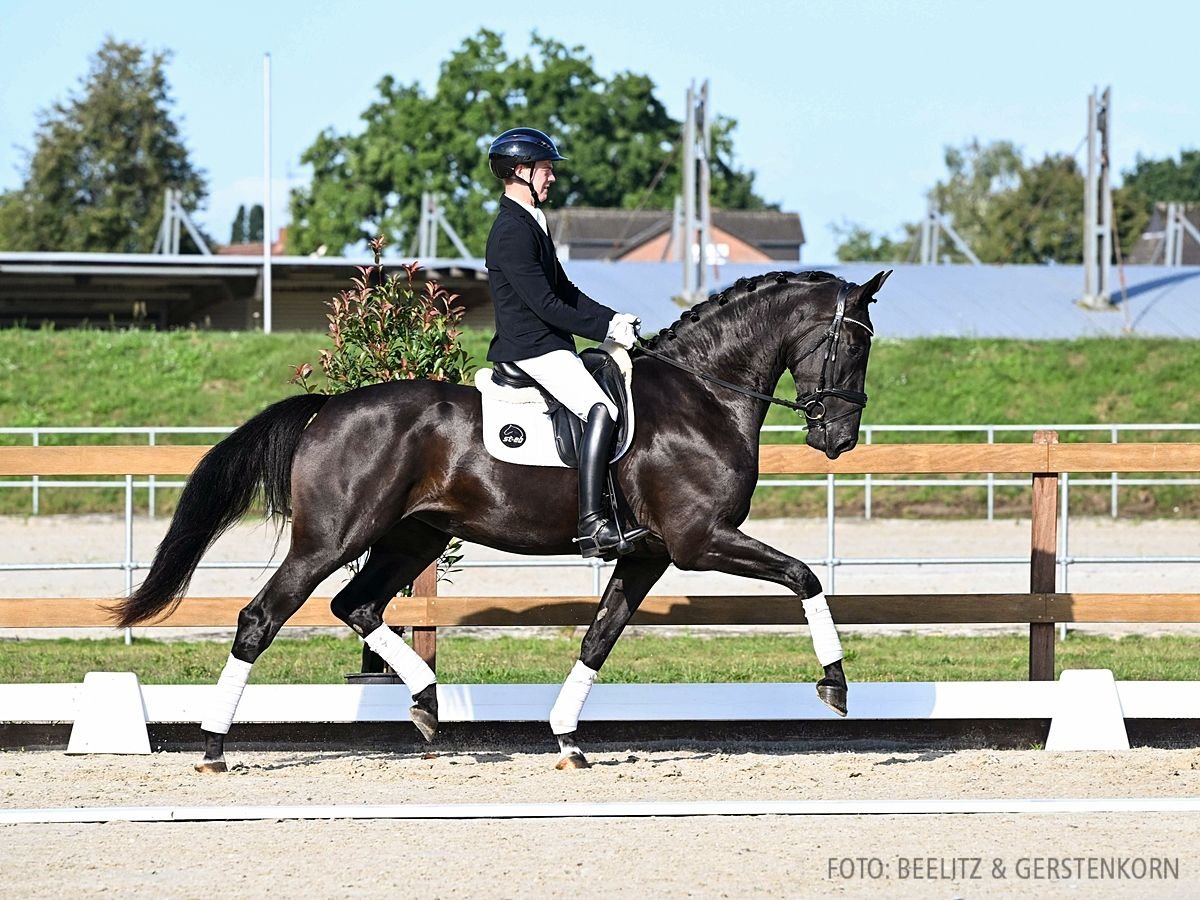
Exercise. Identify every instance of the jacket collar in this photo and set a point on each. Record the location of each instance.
(521, 212)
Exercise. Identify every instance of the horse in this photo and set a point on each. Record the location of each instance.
(393, 471)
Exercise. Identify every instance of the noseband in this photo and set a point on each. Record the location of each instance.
(811, 404)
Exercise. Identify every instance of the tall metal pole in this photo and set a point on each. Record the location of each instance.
(1106, 214)
(926, 227)
(266, 282)
(1097, 206)
(1089, 207)
(1169, 237)
(703, 282)
(689, 194)
(675, 248)
(175, 224)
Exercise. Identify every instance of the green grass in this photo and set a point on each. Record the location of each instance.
(140, 378)
(115, 378)
(636, 658)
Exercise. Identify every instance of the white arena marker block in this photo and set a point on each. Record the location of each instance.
(111, 717)
(1087, 714)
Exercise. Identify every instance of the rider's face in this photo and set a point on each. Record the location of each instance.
(541, 179)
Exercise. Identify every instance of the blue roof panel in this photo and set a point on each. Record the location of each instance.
(1030, 302)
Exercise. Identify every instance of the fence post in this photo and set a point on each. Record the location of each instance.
(424, 639)
(1043, 562)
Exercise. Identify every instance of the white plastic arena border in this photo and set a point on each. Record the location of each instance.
(1087, 708)
(623, 810)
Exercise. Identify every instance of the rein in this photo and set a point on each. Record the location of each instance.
(811, 405)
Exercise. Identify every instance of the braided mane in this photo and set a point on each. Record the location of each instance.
(742, 292)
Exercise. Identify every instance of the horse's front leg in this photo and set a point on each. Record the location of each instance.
(631, 581)
(725, 549)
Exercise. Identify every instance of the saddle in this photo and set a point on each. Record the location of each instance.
(522, 423)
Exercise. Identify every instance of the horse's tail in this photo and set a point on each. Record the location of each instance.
(256, 458)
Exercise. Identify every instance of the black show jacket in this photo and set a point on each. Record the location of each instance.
(537, 308)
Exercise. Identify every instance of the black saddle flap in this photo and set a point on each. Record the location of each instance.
(568, 427)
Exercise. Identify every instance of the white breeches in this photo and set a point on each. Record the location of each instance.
(566, 379)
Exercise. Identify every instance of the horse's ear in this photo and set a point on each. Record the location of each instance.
(867, 292)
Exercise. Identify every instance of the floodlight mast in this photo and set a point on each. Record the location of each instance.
(696, 231)
(1097, 206)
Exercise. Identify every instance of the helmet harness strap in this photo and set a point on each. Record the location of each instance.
(529, 184)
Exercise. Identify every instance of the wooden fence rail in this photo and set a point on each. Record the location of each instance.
(1043, 460)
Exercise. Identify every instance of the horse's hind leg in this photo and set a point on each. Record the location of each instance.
(258, 623)
(395, 561)
(630, 582)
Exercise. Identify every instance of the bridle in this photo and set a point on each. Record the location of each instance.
(811, 404)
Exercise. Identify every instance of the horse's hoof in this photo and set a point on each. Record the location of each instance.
(212, 766)
(425, 721)
(833, 696)
(573, 761)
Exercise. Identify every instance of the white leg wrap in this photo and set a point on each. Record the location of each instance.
(826, 642)
(229, 691)
(404, 660)
(564, 715)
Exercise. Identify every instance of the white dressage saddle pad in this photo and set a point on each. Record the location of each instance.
(517, 426)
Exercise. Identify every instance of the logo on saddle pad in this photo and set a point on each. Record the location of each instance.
(512, 435)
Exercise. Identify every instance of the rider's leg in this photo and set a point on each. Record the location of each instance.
(563, 376)
(599, 535)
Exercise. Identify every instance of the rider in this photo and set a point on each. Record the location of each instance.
(538, 310)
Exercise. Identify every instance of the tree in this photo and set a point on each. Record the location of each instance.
(1165, 180)
(859, 244)
(254, 224)
(1039, 220)
(237, 234)
(102, 162)
(978, 174)
(622, 146)
(1007, 211)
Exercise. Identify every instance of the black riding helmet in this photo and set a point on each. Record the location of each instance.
(517, 147)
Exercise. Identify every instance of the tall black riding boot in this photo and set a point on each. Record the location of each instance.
(599, 533)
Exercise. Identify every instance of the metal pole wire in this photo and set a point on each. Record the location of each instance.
(830, 547)
(991, 481)
(128, 547)
(867, 483)
(35, 477)
(150, 496)
(1115, 439)
(1064, 552)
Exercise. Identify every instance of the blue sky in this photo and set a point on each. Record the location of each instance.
(844, 108)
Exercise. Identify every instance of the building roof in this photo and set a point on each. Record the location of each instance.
(1030, 302)
(594, 233)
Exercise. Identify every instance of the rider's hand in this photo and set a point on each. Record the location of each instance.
(622, 330)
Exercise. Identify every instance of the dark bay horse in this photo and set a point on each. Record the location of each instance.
(394, 470)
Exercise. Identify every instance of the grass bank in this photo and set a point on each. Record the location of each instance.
(636, 659)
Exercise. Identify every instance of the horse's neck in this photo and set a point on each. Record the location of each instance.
(752, 358)
(753, 362)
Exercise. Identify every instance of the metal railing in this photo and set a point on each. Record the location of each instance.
(831, 562)
(1114, 481)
